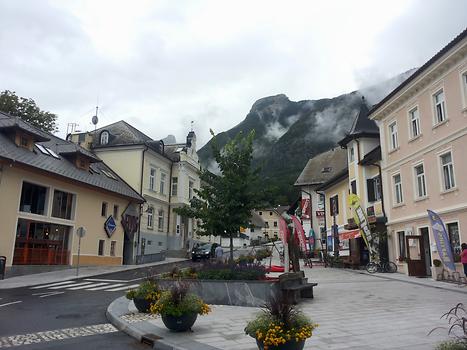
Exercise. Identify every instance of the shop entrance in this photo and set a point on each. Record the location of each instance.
(426, 249)
(41, 243)
(416, 256)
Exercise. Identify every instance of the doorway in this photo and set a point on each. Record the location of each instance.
(415, 256)
(426, 249)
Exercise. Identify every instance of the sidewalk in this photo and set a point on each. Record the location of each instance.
(69, 274)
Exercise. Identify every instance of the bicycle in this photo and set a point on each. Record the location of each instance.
(386, 266)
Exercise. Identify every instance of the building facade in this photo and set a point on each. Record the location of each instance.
(166, 175)
(49, 188)
(423, 131)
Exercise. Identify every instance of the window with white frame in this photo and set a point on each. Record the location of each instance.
(440, 107)
(104, 137)
(174, 186)
(393, 138)
(402, 248)
(190, 189)
(150, 217)
(447, 169)
(420, 182)
(160, 222)
(152, 178)
(162, 183)
(398, 199)
(453, 233)
(351, 154)
(374, 189)
(414, 122)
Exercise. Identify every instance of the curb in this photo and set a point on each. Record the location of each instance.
(119, 307)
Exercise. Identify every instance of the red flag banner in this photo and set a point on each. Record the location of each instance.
(300, 233)
(283, 231)
(306, 209)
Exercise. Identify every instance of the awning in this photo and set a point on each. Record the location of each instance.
(351, 234)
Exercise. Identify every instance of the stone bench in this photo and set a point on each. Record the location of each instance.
(295, 286)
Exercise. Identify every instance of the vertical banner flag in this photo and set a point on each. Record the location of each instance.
(311, 239)
(283, 231)
(442, 240)
(362, 221)
(300, 233)
(306, 209)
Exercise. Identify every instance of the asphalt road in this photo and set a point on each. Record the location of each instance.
(54, 316)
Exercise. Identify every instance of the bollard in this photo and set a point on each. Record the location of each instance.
(2, 267)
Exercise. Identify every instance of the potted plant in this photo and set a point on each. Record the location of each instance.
(437, 269)
(457, 322)
(146, 294)
(178, 308)
(280, 326)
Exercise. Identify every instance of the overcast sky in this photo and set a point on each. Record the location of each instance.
(161, 64)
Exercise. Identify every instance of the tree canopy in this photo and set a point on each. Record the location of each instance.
(224, 202)
(26, 109)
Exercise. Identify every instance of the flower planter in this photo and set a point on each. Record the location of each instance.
(179, 323)
(142, 304)
(290, 345)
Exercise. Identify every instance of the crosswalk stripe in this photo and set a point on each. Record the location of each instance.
(89, 286)
(107, 286)
(51, 294)
(103, 280)
(71, 285)
(13, 302)
(122, 288)
(53, 284)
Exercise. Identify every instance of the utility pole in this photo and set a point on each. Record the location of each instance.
(334, 228)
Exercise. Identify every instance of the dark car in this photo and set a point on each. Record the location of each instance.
(204, 251)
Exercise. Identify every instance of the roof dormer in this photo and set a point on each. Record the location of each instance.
(21, 133)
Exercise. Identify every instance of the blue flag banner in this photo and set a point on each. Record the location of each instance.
(442, 240)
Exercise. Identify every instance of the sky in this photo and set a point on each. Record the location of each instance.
(161, 65)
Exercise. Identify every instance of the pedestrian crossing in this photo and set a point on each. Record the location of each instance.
(91, 284)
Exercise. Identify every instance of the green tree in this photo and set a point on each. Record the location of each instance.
(26, 109)
(224, 202)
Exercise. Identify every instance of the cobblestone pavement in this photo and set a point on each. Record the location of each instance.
(354, 311)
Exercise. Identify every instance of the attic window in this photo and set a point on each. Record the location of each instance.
(53, 154)
(47, 151)
(108, 174)
(326, 169)
(104, 137)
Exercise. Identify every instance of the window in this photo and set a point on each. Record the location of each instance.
(420, 183)
(353, 186)
(414, 122)
(33, 198)
(113, 244)
(334, 205)
(104, 209)
(374, 189)
(326, 169)
(104, 137)
(252, 229)
(464, 86)
(24, 142)
(115, 212)
(270, 213)
(260, 213)
(401, 238)
(62, 205)
(453, 233)
(160, 222)
(275, 223)
(174, 186)
(101, 247)
(351, 154)
(397, 189)
(152, 177)
(150, 217)
(393, 138)
(440, 108)
(190, 189)
(162, 184)
(447, 171)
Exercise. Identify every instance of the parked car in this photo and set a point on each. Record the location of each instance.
(204, 251)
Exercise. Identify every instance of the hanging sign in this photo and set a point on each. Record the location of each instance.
(442, 240)
(306, 209)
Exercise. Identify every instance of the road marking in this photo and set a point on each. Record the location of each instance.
(122, 288)
(59, 334)
(105, 287)
(13, 302)
(71, 285)
(88, 286)
(53, 284)
(51, 294)
(102, 280)
(42, 293)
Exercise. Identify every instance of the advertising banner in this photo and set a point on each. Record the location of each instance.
(306, 209)
(300, 233)
(362, 221)
(442, 240)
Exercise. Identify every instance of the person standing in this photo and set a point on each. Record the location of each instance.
(464, 257)
(219, 253)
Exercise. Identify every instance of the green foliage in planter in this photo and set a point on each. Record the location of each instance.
(457, 320)
(437, 263)
(232, 272)
(245, 259)
(148, 290)
(262, 254)
(452, 345)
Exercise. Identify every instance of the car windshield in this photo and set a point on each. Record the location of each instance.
(204, 247)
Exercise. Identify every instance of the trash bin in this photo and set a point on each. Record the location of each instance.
(2, 267)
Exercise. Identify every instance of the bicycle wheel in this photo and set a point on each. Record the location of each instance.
(390, 267)
(372, 267)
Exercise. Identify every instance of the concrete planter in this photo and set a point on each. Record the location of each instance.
(238, 293)
(436, 272)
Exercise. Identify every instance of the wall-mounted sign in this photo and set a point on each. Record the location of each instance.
(130, 220)
(320, 213)
(370, 213)
(306, 209)
(110, 226)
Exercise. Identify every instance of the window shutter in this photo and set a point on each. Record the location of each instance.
(371, 190)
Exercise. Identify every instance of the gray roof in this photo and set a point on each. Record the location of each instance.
(120, 133)
(62, 166)
(256, 220)
(323, 167)
(8, 122)
(362, 126)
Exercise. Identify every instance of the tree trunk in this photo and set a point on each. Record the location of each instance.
(231, 248)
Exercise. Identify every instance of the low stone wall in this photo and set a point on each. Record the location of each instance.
(238, 293)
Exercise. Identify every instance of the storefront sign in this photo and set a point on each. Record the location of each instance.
(346, 235)
(362, 221)
(306, 209)
(370, 213)
(442, 240)
(320, 213)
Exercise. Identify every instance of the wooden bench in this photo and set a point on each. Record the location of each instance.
(294, 285)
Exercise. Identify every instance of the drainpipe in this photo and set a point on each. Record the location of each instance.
(138, 247)
(168, 213)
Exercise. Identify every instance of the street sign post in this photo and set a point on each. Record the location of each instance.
(80, 232)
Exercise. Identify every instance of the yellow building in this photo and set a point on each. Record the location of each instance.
(49, 188)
